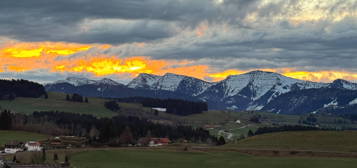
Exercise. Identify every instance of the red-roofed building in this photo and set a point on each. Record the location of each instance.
(159, 141)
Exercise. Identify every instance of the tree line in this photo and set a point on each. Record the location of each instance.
(10, 89)
(76, 98)
(173, 106)
(264, 130)
(108, 131)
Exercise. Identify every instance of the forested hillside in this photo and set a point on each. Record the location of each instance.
(10, 89)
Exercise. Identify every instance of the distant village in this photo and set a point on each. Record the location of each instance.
(60, 142)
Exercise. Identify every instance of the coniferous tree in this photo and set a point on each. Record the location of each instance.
(5, 120)
(112, 105)
(250, 133)
(221, 141)
(126, 137)
(55, 157)
(43, 155)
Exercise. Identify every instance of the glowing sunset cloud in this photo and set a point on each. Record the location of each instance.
(107, 66)
(319, 76)
(135, 65)
(21, 57)
(38, 49)
(322, 76)
(222, 75)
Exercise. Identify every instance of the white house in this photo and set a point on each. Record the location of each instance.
(2, 164)
(33, 146)
(159, 109)
(13, 147)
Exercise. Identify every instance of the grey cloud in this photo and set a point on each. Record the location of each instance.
(51, 20)
(168, 27)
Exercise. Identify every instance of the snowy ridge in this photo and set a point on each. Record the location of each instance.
(168, 82)
(107, 81)
(353, 102)
(144, 80)
(76, 81)
(261, 82)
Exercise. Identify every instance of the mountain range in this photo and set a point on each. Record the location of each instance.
(256, 90)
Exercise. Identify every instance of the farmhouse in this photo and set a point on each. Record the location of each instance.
(13, 147)
(159, 142)
(33, 146)
(153, 142)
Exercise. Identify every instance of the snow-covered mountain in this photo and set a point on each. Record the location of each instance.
(256, 90)
(260, 82)
(170, 82)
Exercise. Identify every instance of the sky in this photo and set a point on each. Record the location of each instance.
(48, 40)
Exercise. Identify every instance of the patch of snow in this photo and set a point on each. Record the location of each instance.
(107, 81)
(353, 102)
(159, 109)
(234, 107)
(76, 81)
(255, 107)
(144, 81)
(332, 103)
(168, 82)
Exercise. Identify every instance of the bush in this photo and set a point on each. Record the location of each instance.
(112, 105)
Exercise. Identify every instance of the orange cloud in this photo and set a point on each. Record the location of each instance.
(38, 49)
(222, 75)
(322, 76)
(21, 57)
(103, 65)
(318, 76)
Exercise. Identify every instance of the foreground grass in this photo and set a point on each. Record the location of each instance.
(336, 141)
(166, 159)
(7, 136)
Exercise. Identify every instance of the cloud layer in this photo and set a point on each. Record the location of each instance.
(216, 35)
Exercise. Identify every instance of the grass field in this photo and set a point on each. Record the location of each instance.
(56, 101)
(223, 121)
(336, 141)
(166, 159)
(7, 136)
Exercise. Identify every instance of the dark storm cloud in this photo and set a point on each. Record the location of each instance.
(52, 20)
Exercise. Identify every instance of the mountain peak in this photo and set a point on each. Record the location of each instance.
(77, 81)
(260, 72)
(147, 74)
(143, 81)
(173, 75)
(108, 81)
(340, 81)
(343, 84)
